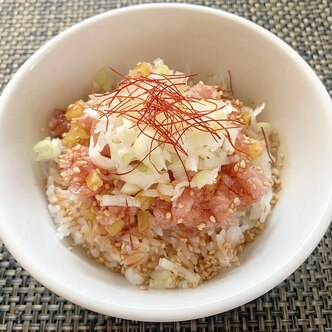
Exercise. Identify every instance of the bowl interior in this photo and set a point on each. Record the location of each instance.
(263, 69)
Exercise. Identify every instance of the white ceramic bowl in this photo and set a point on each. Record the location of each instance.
(210, 41)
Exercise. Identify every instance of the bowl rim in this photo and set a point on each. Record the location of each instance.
(193, 310)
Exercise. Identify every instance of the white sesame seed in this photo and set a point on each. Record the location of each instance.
(201, 226)
(191, 192)
(242, 164)
(236, 201)
(181, 205)
(179, 221)
(236, 168)
(76, 169)
(168, 215)
(213, 219)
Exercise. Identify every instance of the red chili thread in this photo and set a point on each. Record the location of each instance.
(230, 82)
(267, 147)
(162, 98)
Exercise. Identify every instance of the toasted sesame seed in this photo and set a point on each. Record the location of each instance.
(101, 259)
(213, 219)
(236, 168)
(236, 201)
(179, 221)
(107, 186)
(76, 169)
(201, 226)
(168, 215)
(230, 211)
(191, 193)
(181, 205)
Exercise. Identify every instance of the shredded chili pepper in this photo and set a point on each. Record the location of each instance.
(160, 105)
(230, 82)
(267, 147)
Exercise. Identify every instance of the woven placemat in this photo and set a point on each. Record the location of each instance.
(303, 302)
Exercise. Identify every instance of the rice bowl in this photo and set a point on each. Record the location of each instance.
(298, 221)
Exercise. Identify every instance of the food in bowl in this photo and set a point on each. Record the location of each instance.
(160, 179)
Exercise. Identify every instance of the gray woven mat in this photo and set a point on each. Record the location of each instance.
(303, 302)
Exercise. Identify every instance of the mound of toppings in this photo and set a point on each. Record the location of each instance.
(158, 158)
